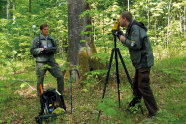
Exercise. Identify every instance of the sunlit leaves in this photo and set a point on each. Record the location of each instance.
(19, 35)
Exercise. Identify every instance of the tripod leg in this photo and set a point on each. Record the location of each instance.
(128, 76)
(117, 75)
(125, 68)
(107, 77)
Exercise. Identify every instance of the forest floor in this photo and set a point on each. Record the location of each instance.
(20, 104)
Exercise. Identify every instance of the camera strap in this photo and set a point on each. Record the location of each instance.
(38, 41)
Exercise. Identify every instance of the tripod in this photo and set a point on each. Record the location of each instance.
(117, 52)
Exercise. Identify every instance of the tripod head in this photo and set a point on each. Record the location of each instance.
(116, 33)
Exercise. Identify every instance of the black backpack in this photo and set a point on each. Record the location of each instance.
(50, 100)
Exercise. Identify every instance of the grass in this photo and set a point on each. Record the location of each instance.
(18, 103)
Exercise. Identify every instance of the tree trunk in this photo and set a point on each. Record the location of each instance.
(30, 5)
(155, 27)
(128, 5)
(75, 27)
(7, 9)
(0, 8)
(14, 11)
(168, 21)
(148, 16)
(181, 24)
(184, 24)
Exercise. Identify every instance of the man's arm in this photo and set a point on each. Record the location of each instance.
(135, 42)
(34, 48)
(55, 46)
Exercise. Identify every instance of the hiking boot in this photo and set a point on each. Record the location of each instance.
(132, 104)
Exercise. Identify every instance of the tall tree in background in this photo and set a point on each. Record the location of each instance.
(30, 5)
(184, 29)
(168, 20)
(14, 8)
(8, 9)
(0, 7)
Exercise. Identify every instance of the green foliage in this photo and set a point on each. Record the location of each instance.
(103, 4)
(4, 94)
(123, 4)
(92, 79)
(170, 68)
(166, 116)
(46, 66)
(163, 23)
(169, 94)
(16, 35)
(168, 39)
(107, 106)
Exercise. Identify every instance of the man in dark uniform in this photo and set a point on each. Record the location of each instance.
(43, 48)
(141, 54)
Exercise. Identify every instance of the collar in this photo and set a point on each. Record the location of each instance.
(130, 25)
(44, 38)
(134, 22)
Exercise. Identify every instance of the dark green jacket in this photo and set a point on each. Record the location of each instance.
(139, 46)
(48, 54)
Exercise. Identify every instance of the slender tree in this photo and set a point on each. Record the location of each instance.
(30, 5)
(14, 8)
(8, 9)
(0, 8)
(184, 23)
(168, 21)
(155, 27)
(148, 15)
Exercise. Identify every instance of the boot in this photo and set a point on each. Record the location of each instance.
(132, 104)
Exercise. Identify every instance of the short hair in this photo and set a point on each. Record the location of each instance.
(127, 15)
(43, 26)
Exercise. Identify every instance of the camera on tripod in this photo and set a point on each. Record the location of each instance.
(116, 28)
(116, 24)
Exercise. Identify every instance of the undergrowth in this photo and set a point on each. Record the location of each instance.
(19, 103)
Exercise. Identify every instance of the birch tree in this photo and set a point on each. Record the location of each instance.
(8, 9)
(14, 8)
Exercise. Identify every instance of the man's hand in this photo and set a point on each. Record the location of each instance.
(42, 49)
(122, 38)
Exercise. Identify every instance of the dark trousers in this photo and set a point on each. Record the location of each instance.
(54, 69)
(142, 87)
